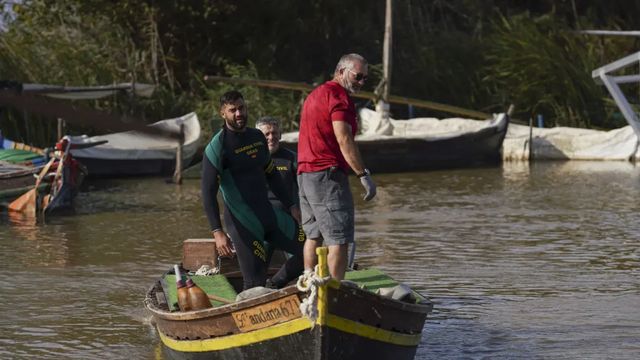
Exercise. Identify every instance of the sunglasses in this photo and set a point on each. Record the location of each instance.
(359, 76)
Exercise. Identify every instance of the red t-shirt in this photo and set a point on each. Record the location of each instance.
(318, 147)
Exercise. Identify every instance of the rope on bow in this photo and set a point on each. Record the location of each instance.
(310, 281)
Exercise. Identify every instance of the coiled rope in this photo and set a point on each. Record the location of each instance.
(208, 270)
(310, 281)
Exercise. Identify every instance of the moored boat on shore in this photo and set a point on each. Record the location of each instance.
(426, 144)
(132, 153)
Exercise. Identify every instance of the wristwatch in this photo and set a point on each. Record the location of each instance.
(366, 172)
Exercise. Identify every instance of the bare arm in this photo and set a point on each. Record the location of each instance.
(348, 146)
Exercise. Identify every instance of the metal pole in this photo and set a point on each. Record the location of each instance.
(26, 127)
(386, 52)
(60, 128)
(383, 103)
(177, 174)
(540, 121)
(530, 137)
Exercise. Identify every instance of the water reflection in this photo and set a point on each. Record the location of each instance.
(523, 261)
(513, 242)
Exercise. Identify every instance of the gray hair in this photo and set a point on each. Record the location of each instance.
(346, 61)
(268, 120)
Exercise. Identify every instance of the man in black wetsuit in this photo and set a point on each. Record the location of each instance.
(237, 161)
(285, 160)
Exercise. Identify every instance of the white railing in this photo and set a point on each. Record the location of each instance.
(612, 82)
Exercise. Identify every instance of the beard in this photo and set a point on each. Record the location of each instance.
(348, 85)
(236, 124)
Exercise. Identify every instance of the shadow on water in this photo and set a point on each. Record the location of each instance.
(521, 261)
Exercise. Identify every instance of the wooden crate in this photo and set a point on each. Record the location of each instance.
(198, 252)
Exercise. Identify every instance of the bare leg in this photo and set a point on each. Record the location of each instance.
(310, 257)
(338, 260)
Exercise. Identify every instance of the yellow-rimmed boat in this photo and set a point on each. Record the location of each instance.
(337, 320)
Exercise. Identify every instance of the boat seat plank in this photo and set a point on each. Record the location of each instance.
(374, 279)
(18, 156)
(370, 279)
(210, 284)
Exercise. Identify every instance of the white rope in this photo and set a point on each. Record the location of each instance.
(309, 281)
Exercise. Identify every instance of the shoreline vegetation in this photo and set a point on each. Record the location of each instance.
(475, 55)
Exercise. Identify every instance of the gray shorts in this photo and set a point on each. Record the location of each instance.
(326, 204)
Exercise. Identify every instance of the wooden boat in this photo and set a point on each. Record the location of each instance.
(132, 153)
(19, 164)
(54, 175)
(413, 151)
(338, 320)
(15, 180)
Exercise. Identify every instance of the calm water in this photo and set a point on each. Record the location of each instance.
(521, 261)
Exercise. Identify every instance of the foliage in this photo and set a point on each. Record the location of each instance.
(480, 55)
(527, 59)
(282, 104)
(60, 44)
(542, 66)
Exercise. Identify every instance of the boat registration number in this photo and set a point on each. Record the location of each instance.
(262, 316)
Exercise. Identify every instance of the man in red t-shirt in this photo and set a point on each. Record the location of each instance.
(326, 152)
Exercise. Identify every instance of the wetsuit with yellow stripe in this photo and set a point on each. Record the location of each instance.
(286, 164)
(239, 164)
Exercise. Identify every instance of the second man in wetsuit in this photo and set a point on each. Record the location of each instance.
(285, 160)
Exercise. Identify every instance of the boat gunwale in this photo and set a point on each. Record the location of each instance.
(21, 171)
(210, 312)
(424, 306)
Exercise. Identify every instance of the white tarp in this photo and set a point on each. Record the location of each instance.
(423, 128)
(564, 143)
(560, 143)
(133, 145)
(374, 128)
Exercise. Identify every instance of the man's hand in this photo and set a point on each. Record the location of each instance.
(295, 213)
(223, 244)
(369, 187)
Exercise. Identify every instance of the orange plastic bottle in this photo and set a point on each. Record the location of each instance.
(183, 293)
(197, 297)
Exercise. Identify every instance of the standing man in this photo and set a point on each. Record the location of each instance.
(326, 152)
(285, 160)
(238, 162)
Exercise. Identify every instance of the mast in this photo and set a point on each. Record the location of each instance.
(382, 107)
